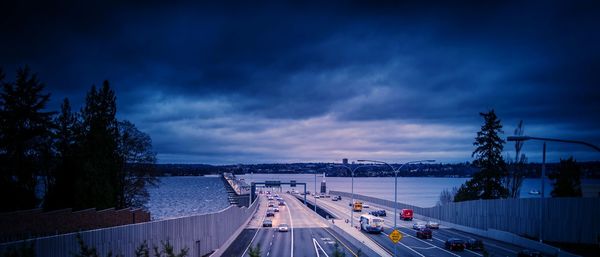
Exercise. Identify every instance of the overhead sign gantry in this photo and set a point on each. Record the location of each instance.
(274, 183)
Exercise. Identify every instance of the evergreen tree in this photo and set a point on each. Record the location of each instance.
(98, 182)
(138, 168)
(24, 139)
(64, 176)
(487, 182)
(567, 179)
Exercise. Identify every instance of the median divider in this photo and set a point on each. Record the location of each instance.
(350, 234)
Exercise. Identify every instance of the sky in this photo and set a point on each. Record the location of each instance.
(300, 81)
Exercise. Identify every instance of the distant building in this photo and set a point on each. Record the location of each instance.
(323, 186)
(345, 161)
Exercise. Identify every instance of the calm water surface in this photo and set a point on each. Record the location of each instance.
(182, 196)
(419, 191)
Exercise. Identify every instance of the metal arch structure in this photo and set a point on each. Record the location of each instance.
(273, 184)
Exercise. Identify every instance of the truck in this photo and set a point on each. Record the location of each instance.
(357, 206)
(406, 214)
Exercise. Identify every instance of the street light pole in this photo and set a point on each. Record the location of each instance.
(352, 198)
(315, 193)
(543, 175)
(396, 190)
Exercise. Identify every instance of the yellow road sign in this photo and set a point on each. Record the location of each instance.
(395, 236)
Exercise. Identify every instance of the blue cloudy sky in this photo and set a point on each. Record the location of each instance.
(299, 81)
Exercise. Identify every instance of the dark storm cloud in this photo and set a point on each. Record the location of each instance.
(249, 69)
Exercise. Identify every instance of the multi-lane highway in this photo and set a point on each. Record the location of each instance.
(309, 235)
(410, 245)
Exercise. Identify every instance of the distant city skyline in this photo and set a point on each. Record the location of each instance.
(281, 83)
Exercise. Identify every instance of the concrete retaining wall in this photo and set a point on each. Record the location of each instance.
(202, 234)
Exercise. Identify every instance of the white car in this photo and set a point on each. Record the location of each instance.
(366, 206)
(419, 225)
(283, 227)
(432, 225)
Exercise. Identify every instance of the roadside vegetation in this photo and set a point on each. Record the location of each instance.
(88, 158)
(254, 251)
(164, 250)
(496, 178)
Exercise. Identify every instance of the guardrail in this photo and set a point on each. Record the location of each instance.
(202, 234)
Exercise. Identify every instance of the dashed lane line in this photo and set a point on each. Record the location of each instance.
(415, 251)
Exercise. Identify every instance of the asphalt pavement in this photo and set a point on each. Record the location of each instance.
(309, 234)
(410, 245)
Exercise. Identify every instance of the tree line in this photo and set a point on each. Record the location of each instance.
(498, 178)
(84, 159)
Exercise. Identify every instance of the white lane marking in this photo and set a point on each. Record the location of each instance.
(423, 248)
(406, 234)
(316, 244)
(256, 233)
(406, 246)
(292, 229)
(460, 235)
(316, 250)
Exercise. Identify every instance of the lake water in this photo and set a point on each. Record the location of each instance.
(182, 196)
(419, 191)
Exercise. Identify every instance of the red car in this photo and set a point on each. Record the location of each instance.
(406, 214)
(424, 233)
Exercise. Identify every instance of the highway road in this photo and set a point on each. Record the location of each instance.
(309, 235)
(410, 245)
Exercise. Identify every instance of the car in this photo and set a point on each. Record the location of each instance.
(271, 204)
(474, 244)
(378, 213)
(334, 198)
(281, 203)
(366, 206)
(276, 209)
(529, 253)
(270, 198)
(406, 214)
(432, 225)
(267, 223)
(283, 227)
(270, 214)
(455, 244)
(419, 226)
(424, 233)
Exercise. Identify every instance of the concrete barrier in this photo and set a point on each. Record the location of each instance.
(202, 234)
